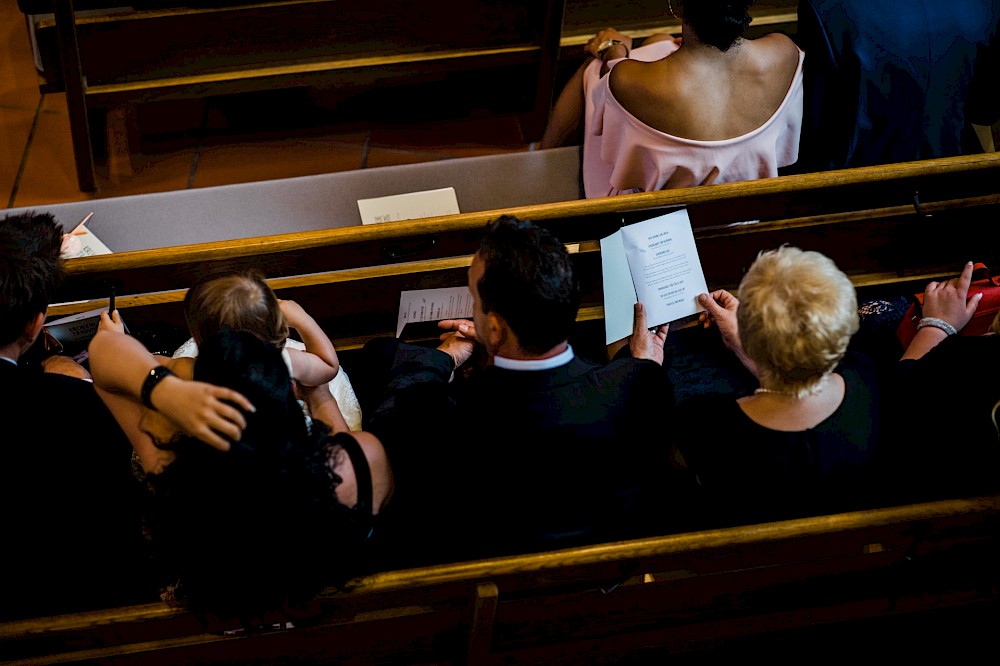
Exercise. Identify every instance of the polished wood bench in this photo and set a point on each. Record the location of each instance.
(902, 580)
(822, 583)
(903, 223)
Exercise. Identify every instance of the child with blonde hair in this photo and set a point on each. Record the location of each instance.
(245, 302)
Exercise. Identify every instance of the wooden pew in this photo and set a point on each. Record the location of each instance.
(107, 63)
(896, 582)
(584, 18)
(903, 223)
(830, 581)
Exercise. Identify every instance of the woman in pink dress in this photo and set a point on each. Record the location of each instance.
(709, 107)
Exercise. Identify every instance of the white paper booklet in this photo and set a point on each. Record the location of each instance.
(411, 206)
(80, 327)
(656, 262)
(433, 305)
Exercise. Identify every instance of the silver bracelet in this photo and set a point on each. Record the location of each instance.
(937, 323)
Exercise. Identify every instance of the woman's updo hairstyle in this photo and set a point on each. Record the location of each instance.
(718, 22)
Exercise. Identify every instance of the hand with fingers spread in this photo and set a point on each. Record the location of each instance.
(646, 343)
(208, 412)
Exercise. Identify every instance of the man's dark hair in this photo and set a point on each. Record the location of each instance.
(257, 530)
(30, 269)
(718, 22)
(529, 281)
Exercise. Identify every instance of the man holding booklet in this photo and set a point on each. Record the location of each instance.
(539, 448)
(65, 474)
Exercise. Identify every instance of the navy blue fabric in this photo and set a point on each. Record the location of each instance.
(893, 81)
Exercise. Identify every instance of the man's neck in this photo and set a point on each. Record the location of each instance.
(516, 353)
(11, 351)
(535, 362)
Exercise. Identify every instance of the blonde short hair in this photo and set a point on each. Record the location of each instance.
(797, 314)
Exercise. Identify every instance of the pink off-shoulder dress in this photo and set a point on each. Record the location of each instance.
(621, 154)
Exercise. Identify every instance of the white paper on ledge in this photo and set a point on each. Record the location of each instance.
(433, 305)
(656, 262)
(82, 242)
(410, 206)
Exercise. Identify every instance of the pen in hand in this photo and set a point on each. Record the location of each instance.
(111, 304)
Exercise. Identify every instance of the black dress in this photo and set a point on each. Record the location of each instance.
(749, 473)
(945, 441)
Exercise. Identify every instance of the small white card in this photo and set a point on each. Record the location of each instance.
(428, 203)
(81, 242)
(656, 262)
(433, 305)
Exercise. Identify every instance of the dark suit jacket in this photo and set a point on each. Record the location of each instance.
(895, 80)
(509, 461)
(70, 511)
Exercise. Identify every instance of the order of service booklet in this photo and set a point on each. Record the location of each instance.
(656, 262)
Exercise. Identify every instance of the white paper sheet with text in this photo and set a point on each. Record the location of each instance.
(80, 327)
(433, 305)
(410, 206)
(655, 262)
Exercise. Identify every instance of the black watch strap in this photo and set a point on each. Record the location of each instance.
(155, 376)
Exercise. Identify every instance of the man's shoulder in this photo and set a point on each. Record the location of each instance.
(627, 369)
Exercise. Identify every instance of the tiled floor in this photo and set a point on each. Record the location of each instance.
(197, 144)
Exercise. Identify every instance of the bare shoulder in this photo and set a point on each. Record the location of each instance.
(635, 82)
(777, 46)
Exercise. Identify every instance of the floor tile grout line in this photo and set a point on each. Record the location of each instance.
(24, 155)
(366, 149)
(199, 144)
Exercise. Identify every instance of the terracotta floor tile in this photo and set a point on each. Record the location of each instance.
(50, 170)
(459, 138)
(15, 126)
(249, 161)
(18, 76)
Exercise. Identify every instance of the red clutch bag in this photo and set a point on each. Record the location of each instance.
(986, 311)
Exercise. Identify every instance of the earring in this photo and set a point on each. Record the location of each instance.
(670, 8)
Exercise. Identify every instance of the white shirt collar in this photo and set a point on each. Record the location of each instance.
(535, 364)
(9, 360)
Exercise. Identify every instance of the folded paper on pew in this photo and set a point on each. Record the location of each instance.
(433, 305)
(410, 206)
(656, 262)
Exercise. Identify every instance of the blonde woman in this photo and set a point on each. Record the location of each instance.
(804, 441)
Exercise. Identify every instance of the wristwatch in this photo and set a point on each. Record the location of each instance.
(607, 44)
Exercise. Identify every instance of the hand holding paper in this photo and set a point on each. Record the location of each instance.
(654, 262)
(646, 343)
(433, 305)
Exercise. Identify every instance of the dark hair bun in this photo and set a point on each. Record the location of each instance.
(717, 22)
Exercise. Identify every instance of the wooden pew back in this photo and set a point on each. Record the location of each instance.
(695, 593)
(503, 58)
(907, 222)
